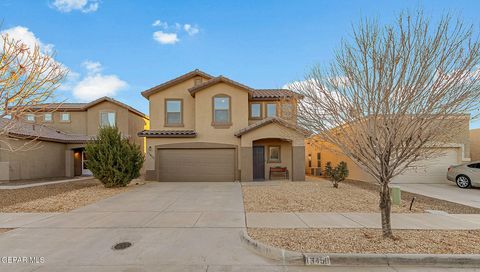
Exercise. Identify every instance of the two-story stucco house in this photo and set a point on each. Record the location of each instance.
(61, 132)
(207, 128)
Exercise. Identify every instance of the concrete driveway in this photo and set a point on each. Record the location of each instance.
(173, 227)
(446, 191)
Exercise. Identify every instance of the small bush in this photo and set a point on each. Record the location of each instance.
(339, 174)
(112, 159)
(328, 170)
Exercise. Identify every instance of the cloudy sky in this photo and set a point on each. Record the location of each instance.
(119, 48)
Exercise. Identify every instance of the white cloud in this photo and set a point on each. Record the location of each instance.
(165, 38)
(95, 86)
(84, 6)
(21, 33)
(92, 67)
(161, 24)
(170, 32)
(191, 30)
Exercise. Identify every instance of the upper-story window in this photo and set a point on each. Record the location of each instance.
(255, 110)
(30, 117)
(271, 109)
(173, 112)
(65, 117)
(107, 119)
(47, 117)
(221, 110)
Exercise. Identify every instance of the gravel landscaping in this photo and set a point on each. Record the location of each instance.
(370, 241)
(61, 197)
(318, 195)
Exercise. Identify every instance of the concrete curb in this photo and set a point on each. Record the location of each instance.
(288, 257)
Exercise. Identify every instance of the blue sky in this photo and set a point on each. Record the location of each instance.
(110, 44)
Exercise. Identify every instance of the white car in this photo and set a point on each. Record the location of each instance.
(465, 175)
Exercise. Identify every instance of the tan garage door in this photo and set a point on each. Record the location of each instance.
(196, 165)
(432, 171)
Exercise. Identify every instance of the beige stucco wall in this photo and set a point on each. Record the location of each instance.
(93, 117)
(32, 164)
(76, 125)
(475, 144)
(157, 106)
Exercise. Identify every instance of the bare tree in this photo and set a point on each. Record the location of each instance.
(28, 79)
(393, 94)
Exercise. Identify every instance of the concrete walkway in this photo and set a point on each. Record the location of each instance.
(363, 220)
(446, 191)
(17, 220)
(13, 185)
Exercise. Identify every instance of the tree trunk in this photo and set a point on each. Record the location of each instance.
(385, 209)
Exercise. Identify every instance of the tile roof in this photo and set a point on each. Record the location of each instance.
(167, 133)
(84, 106)
(274, 93)
(174, 81)
(270, 120)
(20, 129)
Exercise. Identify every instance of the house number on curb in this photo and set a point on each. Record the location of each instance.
(317, 260)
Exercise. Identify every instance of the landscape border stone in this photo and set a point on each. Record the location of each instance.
(295, 258)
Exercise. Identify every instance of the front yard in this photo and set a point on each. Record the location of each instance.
(318, 195)
(60, 197)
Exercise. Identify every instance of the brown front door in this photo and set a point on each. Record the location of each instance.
(258, 163)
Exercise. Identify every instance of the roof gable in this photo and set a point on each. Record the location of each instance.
(216, 80)
(116, 102)
(175, 81)
(271, 120)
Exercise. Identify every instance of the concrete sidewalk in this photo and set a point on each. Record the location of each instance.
(363, 220)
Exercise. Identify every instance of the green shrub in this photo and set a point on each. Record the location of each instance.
(112, 159)
(328, 169)
(339, 174)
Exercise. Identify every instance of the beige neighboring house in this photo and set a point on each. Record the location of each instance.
(475, 144)
(207, 128)
(434, 170)
(60, 132)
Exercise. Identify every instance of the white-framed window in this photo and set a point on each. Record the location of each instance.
(255, 110)
(173, 112)
(107, 119)
(30, 117)
(221, 109)
(65, 117)
(48, 117)
(271, 109)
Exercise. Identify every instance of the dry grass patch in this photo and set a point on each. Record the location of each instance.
(370, 241)
(58, 197)
(318, 195)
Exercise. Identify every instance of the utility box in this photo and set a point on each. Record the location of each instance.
(396, 195)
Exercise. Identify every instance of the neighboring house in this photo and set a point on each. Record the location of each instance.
(60, 132)
(475, 144)
(206, 128)
(433, 170)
